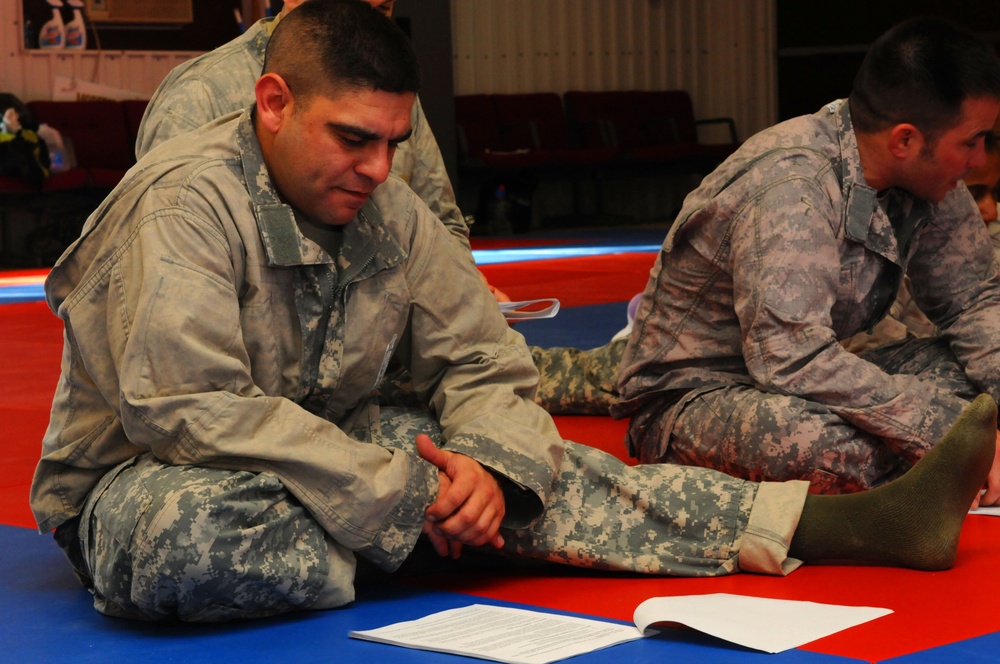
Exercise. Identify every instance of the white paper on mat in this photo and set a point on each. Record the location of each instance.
(992, 510)
(546, 307)
(770, 625)
(503, 634)
(520, 636)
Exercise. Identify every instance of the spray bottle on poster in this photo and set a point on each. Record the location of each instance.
(76, 29)
(53, 32)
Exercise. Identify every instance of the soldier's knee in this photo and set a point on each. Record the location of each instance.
(212, 546)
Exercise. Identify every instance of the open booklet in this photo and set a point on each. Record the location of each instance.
(546, 307)
(520, 636)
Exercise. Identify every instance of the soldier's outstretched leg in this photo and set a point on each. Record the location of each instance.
(914, 521)
(678, 520)
(660, 519)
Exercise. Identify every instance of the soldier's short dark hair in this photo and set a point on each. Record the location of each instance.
(920, 72)
(328, 46)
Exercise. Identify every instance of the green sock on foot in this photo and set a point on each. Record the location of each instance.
(915, 520)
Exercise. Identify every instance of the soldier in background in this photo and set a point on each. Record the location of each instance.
(800, 240)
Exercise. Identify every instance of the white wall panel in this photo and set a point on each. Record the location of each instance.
(721, 51)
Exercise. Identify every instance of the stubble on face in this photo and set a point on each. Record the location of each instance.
(332, 151)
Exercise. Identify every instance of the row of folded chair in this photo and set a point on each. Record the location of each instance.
(531, 131)
(496, 131)
(577, 135)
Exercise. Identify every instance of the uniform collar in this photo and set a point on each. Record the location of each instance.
(366, 237)
(865, 221)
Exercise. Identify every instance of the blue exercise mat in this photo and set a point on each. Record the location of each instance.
(48, 617)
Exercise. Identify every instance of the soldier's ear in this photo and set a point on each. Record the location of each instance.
(905, 141)
(274, 101)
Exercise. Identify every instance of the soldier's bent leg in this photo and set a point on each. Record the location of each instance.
(396, 427)
(930, 358)
(759, 436)
(660, 519)
(201, 544)
(578, 382)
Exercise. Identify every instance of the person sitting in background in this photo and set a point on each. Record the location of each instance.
(984, 185)
(800, 240)
(23, 153)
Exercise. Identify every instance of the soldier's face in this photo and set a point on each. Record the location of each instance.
(984, 184)
(941, 164)
(329, 154)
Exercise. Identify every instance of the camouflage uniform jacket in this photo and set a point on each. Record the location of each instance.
(202, 326)
(222, 81)
(783, 251)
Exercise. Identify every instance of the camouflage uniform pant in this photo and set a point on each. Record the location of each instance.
(571, 381)
(157, 541)
(760, 436)
(578, 382)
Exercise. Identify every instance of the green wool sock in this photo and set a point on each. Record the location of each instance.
(915, 520)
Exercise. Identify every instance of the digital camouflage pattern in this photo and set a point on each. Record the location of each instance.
(205, 88)
(160, 541)
(578, 382)
(209, 545)
(779, 255)
(222, 82)
(204, 545)
(905, 319)
(603, 514)
(653, 519)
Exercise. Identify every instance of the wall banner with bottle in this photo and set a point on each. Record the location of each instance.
(132, 25)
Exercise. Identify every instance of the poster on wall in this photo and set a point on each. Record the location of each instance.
(135, 25)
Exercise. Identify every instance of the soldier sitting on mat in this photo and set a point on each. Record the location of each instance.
(800, 240)
(217, 450)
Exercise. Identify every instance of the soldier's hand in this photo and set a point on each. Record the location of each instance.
(469, 507)
(992, 494)
(497, 293)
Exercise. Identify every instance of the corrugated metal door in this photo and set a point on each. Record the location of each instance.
(721, 51)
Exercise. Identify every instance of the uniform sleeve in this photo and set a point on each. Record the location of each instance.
(176, 109)
(477, 373)
(188, 395)
(786, 273)
(955, 280)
